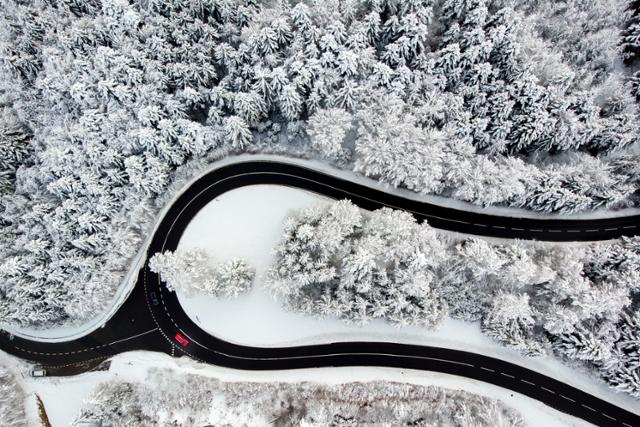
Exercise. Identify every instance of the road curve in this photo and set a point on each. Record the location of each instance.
(140, 324)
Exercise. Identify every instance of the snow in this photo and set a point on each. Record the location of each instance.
(248, 222)
(67, 333)
(63, 397)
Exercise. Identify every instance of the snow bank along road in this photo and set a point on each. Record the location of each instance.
(151, 316)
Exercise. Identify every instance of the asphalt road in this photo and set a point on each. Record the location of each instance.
(150, 322)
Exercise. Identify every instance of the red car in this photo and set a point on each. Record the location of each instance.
(182, 340)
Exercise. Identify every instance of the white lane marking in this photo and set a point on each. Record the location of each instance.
(611, 229)
(630, 226)
(588, 407)
(487, 369)
(86, 349)
(567, 398)
(507, 375)
(527, 382)
(547, 390)
(76, 363)
(608, 416)
(362, 197)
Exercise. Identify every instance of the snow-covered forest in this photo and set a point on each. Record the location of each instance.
(506, 102)
(12, 400)
(193, 400)
(192, 272)
(580, 303)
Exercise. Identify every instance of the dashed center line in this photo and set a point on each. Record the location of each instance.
(66, 353)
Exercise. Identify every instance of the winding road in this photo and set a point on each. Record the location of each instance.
(151, 316)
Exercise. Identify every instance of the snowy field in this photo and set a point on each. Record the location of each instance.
(247, 223)
(62, 397)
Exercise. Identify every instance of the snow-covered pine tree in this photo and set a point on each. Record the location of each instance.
(631, 34)
(510, 321)
(327, 129)
(624, 379)
(15, 149)
(582, 344)
(234, 277)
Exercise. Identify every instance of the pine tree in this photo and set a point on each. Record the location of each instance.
(327, 129)
(15, 149)
(582, 344)
(624, 379)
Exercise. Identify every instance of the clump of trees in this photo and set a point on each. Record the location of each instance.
(191, 272)
(335, 261)
(207, 401)
(580, 303)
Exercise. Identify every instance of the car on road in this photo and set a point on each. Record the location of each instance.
(154, 298)
(38, 372)
(182, 340)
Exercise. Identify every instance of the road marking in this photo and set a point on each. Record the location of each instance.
(592, 230)
(574, 231)
(611, 229)
(528, 382)
(487, 369)
(456, 220)
(507, 375)
(349, 193)
(608, 416)
(630, 226)
(547, 390)
(85, 349)
(567, 398)
(588, 407)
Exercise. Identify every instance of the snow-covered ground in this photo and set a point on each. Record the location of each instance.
(63, 397)
(248, 222)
